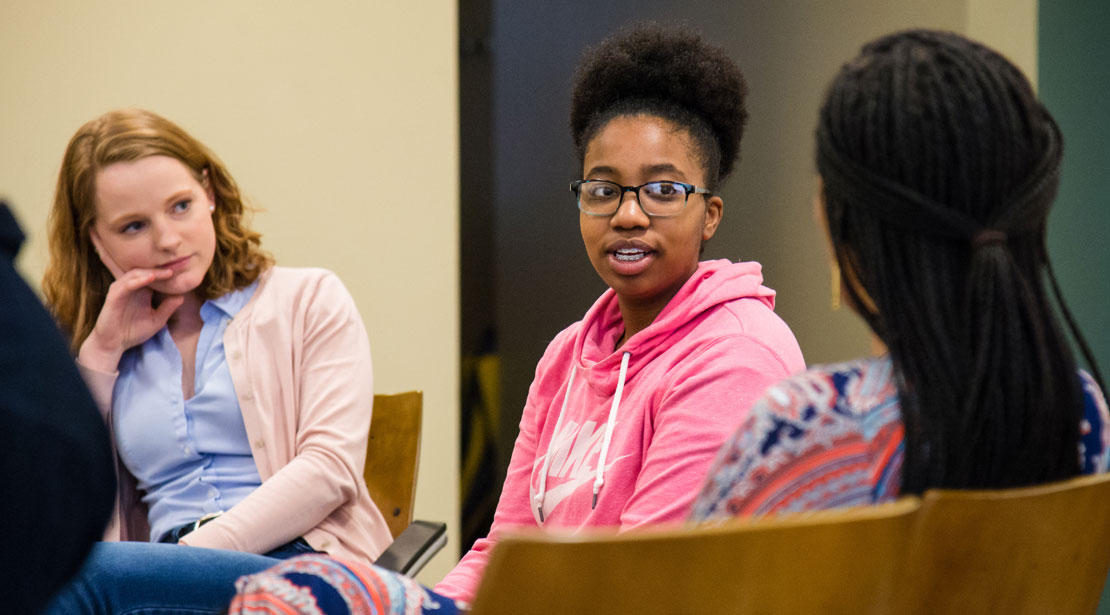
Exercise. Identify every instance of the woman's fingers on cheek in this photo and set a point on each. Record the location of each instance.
(158, 274)
(138, 278)
(135, 279)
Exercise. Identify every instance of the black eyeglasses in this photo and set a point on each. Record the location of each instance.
(598, 197)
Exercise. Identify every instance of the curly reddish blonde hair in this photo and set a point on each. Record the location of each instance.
(76, 282)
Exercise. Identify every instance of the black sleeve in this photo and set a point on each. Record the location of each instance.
(58, 481)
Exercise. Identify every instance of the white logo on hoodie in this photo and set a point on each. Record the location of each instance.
(574, 450)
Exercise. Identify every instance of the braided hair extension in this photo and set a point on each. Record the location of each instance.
(669, 72)
(939, 168)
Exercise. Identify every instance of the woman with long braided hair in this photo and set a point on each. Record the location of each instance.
(938, 167)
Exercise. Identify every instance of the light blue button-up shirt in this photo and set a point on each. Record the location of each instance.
(191, 457)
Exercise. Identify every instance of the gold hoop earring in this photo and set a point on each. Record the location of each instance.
(834, 272)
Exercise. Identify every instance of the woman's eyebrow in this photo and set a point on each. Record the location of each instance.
(647, 169)
(178, 195)
(600, 170)
(663, 167)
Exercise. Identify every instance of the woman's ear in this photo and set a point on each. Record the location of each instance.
(841, 271)
(208, 188)
(714, 211)
(822, 220)
(819, 215)
(94, 237)
(851, 278)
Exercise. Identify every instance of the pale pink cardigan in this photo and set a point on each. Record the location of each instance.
(300, 361)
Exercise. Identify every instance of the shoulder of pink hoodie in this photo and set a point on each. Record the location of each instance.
(690, 378)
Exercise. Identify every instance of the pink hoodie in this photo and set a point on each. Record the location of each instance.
(654, 412)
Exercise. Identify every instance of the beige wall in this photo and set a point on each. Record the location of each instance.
(337, 118)
(790, 55)
(1010, 26)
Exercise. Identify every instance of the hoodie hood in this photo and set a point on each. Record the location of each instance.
(606, 370)
(713, 283)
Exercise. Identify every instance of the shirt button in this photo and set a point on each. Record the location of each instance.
(187, 450)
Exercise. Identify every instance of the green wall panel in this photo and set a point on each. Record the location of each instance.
(1074, 73)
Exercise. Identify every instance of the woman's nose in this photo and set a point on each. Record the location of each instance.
(167, 236)
(630, 214)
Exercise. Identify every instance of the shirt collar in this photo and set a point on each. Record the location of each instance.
(229, 304)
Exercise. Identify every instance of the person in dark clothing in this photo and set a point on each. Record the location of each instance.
(58, 480)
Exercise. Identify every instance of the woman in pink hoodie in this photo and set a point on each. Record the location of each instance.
(630, 404)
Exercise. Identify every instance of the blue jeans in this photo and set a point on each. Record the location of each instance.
(143, 578)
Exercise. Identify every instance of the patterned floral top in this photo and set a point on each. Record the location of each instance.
(321, 585)
(833, 436)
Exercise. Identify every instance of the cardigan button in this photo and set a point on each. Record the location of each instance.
(260, 444)
(236, 355)
(247, 395)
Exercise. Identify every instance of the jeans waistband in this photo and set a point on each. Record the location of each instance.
(176, 534)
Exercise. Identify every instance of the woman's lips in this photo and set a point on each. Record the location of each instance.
(630, 260)
(177, 264)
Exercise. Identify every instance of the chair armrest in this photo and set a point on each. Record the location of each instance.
(414, 547)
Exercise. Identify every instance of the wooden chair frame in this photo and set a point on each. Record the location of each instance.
(789, 564)
(392, 465)
(1042, 549)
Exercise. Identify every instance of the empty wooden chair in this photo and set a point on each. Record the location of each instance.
(392, 464)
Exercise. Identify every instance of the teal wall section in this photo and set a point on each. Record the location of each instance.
(1074, 73)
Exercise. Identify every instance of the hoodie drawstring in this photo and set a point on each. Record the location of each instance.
(600, 480)
(538, 499)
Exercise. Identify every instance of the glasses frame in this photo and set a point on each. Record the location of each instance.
(576, 188)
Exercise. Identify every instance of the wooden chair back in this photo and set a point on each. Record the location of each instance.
(834, 561)
(1041, 549)
(393, 456)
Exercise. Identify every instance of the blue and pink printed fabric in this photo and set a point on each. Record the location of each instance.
(319, 585)
(833, 436)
